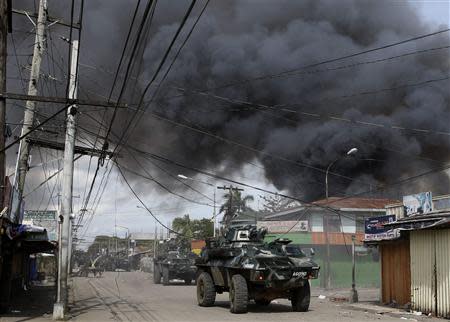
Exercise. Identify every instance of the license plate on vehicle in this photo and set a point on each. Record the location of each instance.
(299, 274)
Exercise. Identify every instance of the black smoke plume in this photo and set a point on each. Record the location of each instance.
(243, 39)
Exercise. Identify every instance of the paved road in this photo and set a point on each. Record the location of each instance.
(133, 297)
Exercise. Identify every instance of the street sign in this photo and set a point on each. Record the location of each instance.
(284, 226)
(374, 228)
(420, 203)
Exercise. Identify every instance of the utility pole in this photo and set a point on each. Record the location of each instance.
(214, 213)
(353, 293)
(327, 282)
(60, 307)
(28, 119)
(4, 15)
(155, 240)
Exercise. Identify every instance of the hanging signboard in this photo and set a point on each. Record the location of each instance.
(374, 228)
(284, 226)
(420, 203)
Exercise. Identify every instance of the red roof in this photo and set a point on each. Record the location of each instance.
(356, 203)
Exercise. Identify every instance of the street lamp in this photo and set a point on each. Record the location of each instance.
(327, 240)
(181, 176)
(350, 152)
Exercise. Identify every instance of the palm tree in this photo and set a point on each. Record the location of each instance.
(234, 205)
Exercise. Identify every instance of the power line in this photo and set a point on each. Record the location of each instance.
(122, 56)
(34, 128)
(162, 62)
(327, 61)
(144, 205)
(131, 60)
(216, 176)
(150, 4)
(159, 184)
(169, 174)
(283, 108)
(246, 147)
(179, 51)
(158, 69)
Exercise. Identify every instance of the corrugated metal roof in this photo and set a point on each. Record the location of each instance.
(431, 220)
(355, 202)
(344, 204)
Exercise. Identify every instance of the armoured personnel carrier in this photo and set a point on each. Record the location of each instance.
(242, 264)
(174, 262)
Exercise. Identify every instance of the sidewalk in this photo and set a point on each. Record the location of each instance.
(369, 302)
(35, 304)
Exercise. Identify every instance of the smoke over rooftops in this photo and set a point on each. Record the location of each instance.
(237, 40)
(242, 39)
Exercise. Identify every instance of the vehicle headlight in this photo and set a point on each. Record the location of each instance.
(313, 274)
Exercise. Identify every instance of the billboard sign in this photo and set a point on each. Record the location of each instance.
(420, 203)
(284, 226)
(46, 219)
(374, 228)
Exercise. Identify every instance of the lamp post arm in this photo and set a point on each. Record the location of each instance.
(326, 176)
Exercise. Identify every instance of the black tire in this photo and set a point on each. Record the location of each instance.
(156, 274)
(188, 281)
(238, 294)
(301, 298)
(262, 302)
(165, 275)
(206, 292)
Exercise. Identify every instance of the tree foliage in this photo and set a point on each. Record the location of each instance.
(193, 228)
(234, 205)
(278, 203)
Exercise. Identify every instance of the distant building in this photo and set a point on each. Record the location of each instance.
(343, 218)
(142, 242)
(334, 220)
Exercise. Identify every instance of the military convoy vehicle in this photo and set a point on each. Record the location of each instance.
(242, 264)
(174, 263)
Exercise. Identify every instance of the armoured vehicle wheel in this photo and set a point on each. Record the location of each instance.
(156, 274)
(301, 298)
(238, 294)
(165, 273)
(262, 302)
(188, 281)
(206, 292)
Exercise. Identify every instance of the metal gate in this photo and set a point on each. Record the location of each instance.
(443, 273)
(430, 271)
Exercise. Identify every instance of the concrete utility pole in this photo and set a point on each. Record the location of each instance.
(214, 213)
(60, 307)
(155, 240)
(28, 119)
(353, 293)
(3, 54)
